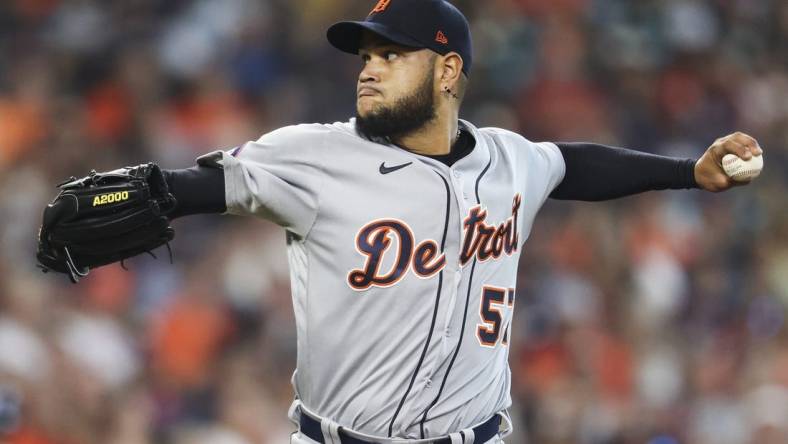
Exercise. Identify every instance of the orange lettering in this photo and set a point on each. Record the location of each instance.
(380, 7)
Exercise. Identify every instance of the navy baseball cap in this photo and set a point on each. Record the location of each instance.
(432, 24)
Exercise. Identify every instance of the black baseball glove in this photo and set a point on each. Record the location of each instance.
(105, 218)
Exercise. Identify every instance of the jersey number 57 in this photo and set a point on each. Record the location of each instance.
(495, 301)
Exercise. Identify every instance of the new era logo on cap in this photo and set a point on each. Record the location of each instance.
(380, 7)
(441, 38)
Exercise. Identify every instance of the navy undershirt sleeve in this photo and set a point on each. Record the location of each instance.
(198, 190)
(598, 172)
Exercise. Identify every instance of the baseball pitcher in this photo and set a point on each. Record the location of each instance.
(404, 226)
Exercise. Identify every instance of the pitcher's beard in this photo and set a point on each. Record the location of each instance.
(407, 115)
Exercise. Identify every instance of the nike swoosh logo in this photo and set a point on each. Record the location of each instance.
(388, 170)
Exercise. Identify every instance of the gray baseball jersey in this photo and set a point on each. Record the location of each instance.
(403, 270)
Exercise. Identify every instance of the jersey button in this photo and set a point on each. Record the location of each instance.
(457, 174)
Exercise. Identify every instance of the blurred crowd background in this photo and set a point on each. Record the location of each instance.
(655, 319)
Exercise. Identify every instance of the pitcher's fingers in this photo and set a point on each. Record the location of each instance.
(748, 141)
(731, 146)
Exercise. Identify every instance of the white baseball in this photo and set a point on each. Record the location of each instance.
(742, 170)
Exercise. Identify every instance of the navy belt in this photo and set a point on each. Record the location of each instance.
(311, 428)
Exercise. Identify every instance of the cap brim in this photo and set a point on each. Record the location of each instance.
(346, 36)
